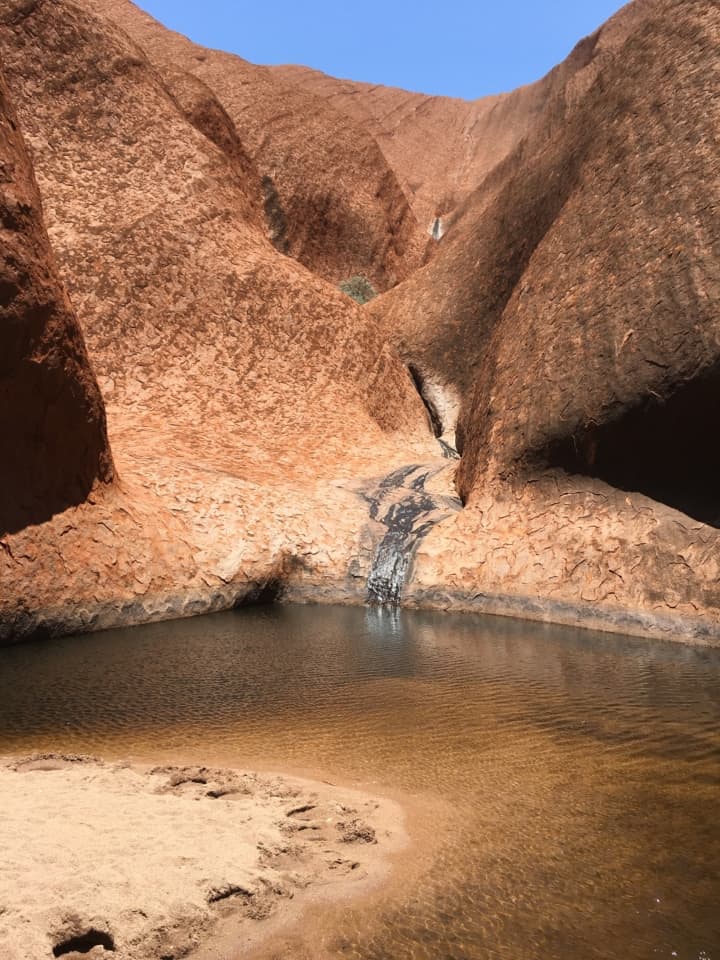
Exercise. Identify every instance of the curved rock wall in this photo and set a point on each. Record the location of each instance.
(587, 464)
(569, 312)
(442, 316)
(343, 209)
(52, 421)
(618, 303)
(246, 397)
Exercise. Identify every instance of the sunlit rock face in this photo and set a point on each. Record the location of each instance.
(440, 148)
(245, 395)
(332, 199)
(508, 198)
(557, 326)
(52, 421)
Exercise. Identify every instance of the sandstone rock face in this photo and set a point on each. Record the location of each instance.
(183, 300)
(590, 481)
(441, 317)
(612, 329)
(52, 421)
(331, 199)
(440, 148)
(246, 397)
(270, 440)
(443, 148)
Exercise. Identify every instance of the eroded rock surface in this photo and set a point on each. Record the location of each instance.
(406, 510)
(440, 148)
(585, 460)
(562, 332)
(331, 198)
(52, 422)
(442, 316)
(245, 395)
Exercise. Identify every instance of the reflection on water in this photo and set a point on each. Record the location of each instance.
(583, 769)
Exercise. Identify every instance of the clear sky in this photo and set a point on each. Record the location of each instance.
(454, 47)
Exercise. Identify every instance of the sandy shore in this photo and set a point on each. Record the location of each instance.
(157, 863)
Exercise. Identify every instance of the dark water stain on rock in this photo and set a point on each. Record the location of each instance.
(401, 503)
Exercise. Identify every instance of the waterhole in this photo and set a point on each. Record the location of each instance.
(579, 772)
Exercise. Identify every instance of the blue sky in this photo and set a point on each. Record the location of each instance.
(453, 47)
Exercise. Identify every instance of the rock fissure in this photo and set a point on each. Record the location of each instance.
(432, 411)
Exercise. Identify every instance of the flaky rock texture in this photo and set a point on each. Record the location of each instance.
(617, 304)
(331, 199)
(587, 403)
(52, 421)
(443, 148)
(246, 398)
(439, 147)
(442, 316)
(270, 440)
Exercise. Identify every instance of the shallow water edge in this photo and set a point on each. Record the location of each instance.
(562, 783)
(23, 624)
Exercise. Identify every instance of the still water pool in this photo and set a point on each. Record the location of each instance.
(564, 785)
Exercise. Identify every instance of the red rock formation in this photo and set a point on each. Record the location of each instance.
(615, 300)
(331, 200)
(246, 397)
(52, 422)
(569, 313)
(440, 148)
(594, 369)
(163, 256)
(443, 148)
(441, 316)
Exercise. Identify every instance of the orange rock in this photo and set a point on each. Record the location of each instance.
(246, 397)
(270, 440)
(52, 421)
(332, 200)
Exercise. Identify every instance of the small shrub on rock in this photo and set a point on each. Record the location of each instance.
(359, 288)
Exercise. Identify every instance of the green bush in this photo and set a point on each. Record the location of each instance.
(359, 288)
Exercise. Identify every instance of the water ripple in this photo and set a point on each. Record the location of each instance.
(580, 770)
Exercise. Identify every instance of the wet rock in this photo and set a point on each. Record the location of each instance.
(573, 305)
(401, 504)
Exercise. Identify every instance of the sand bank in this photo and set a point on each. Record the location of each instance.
(104, 859)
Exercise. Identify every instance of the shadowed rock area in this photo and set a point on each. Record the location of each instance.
(52, 421)
(592, 348)
(547, 264)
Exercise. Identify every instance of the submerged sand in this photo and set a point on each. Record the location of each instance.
(154, 863)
